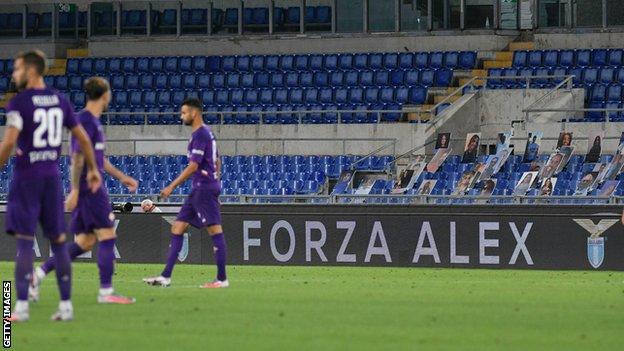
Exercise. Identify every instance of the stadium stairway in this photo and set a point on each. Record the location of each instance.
(498, 59)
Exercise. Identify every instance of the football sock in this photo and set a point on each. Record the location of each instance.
(175, 246)
(220, 248)
(106, 262)
(74, 251)
(23, 267)
(63, 270)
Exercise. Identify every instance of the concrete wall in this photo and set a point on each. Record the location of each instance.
(610, 39)
(11, 47)
(294, 44)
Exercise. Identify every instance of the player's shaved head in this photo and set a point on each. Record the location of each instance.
(95, 87)
(190, 110)
(28, 66)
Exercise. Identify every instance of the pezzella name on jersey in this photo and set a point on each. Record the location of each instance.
(46, 155)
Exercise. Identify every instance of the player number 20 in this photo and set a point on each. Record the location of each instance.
(50, 120)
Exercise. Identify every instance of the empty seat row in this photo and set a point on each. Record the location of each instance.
(569, 58)
(399, 78)
(314, 62)
(582, 76)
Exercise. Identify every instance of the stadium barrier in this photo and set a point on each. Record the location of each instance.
(510, 237)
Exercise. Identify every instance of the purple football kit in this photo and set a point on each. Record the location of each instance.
(36, 191)
(201, 208)
(93, 210)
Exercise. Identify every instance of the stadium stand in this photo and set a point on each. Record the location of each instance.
(356, 82)
(598, 71)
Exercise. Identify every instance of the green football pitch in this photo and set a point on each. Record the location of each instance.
(330, 308)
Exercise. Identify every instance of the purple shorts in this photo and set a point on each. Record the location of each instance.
(93, 212)
(201, 208)
(36, 200)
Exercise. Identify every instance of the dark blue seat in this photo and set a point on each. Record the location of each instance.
(412, 77)
(260, 16)
(175, 81)
(132, 82)
(451, 59)
(128, 65)
(231, 18)
(272, 63)
(281, 96)
(336, 79)
(566, 58)
(330, 62)
(277, 80)
(599, 57)
(371, 95)
(135, 98)
(75, 83)
(86, 66)
(382, 78)
(366, 78)
(375, 61)
(590, 75)
(550, 58)
(232, 80)
(360, 61)
(614, 93)
(306, 79)
(387, 95)
(203, 81)
(316, 62)
(321, 79)
(397, 78)
(62, 83)
(607, 75)
(583, 58)
(345, 61)
(598, 92)
(243, 63)
(295, 96)
(341, 95)
(228, 63)
(535, 58)
(402, 95)
(615, 57)
(143, 65)
(323, 15)
(120, 98)
(356, 95)
(467, 59)
(118, 82)
(189, 81)
(326, 95)
(417, 95)
(257, 63)
(156, 64)
(292, 79)
(443, 77)
(287, 63)
(207, 97)
(436, 59)
(351, 78)
(427, 77)
(421, 60)
(247, 80)
(293, 15)
(185, 64)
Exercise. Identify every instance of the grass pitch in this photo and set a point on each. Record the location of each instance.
(318, 308)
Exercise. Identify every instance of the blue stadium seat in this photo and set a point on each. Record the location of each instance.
(607, 75)
(427, 77)
(566, 58)
(583, 58)
(345, 61)
(375, 61)
(421, 60)
(615, 57)
(360, 61)
(330, 62)
(550, 58)
(243, 63)
(128, 65)
(185, 64)
(272, 63)
(535, 58)
(451, 59)
(366, 78)
(467, 59)
(436, 59)
(143, 65)
(287, 63)
(599, 57)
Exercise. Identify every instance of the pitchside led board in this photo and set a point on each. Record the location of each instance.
(474, 236)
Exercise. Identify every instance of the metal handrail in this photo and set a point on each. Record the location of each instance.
(374, 152)
(567, 82)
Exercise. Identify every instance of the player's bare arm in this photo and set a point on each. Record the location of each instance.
(186, 173)
(8, 144)
(125, 179)
(93, 174)
(218, 168)
(77, 165)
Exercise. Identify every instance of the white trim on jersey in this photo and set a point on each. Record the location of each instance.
(14, 119)
(197, 152)
(214, 156)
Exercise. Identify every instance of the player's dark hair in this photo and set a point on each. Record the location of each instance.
(35, 58)
(193, 102)
(95, 87)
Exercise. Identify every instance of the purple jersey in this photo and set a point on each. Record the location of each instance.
(93, 127)
(40, 115)
(202, 149)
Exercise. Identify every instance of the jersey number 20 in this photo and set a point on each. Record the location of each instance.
(50, 121)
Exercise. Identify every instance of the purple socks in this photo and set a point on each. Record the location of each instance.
(174, 248)
(74, 251)
(23, 267)
(63, 269)
(220, 248)
(106, 262)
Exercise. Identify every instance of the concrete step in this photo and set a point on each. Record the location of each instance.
(438, 98)
(496, 64)
(77, 53)
(478, 82)
(56, 71)
(418, 116)
(504, 56)
(521, 45)
(479, 73)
